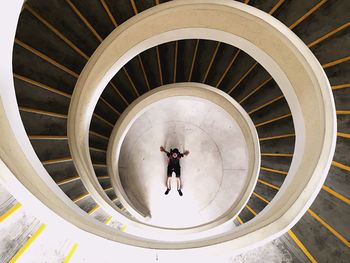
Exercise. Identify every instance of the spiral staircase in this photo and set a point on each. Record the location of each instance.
(54, 41)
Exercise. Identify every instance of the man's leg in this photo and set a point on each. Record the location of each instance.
(168, 184)
(168, 181)
(178, 182)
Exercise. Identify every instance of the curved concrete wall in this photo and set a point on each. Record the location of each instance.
(292, 65)
(236, 112)
(212, 176)
(300, 65)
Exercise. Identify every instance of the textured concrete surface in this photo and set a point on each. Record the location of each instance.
(6, 201)
(14, 232)
(51, 245)
(273, 252)
(212, 175)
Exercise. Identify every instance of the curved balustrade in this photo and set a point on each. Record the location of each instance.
(59, 46)
(286, 58)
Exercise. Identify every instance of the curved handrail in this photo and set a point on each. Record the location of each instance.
(287, 59)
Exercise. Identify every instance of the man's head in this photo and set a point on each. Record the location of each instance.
(174, 152)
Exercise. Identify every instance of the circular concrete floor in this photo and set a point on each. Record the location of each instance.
(213, 174)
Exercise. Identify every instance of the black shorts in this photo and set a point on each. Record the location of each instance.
(172, 169)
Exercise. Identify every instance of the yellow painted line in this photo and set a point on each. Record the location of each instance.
(99, 135)
(331, 229)
(279, 3)
(335, 62)
(260, 197)
(131, 82)
(10, 212)
(251, 210)
(87, 24)
(268, 184)
(175, 60)
(277, 137)
(103, 177)
(28, 243)
(324, 187)
(159, 66)
(273, 120)
(337, 195)
(72, 46)
(108, 220)
(71, 252)
(342, 86)
(109, 105)
(255, 90)
(123, 228)
(239, 220)
(60, 160)
(328, 34)
(66, 181)
(301, 19)
(228, 68)
(277, 154)
(243, 77)
(56, 31)
(344, 135)
(143, 72)
(134, 7)
(93, 210)
(81, 197)
(103, 120)
(340, 165)
(99, 164)
(273, 170)
(119, 93)
(301, 246)
(193, 60)
(46, 58)
(320, 220)
(266, 104)
(108, 11)
(41, 85)
(97, 150)
(343, 112)
(47, 137)
(42, 112)
(211, 62)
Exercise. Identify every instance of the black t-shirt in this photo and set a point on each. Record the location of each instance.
(174, 162)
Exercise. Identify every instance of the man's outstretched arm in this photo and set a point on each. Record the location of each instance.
(186, 153)
(163, 150)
